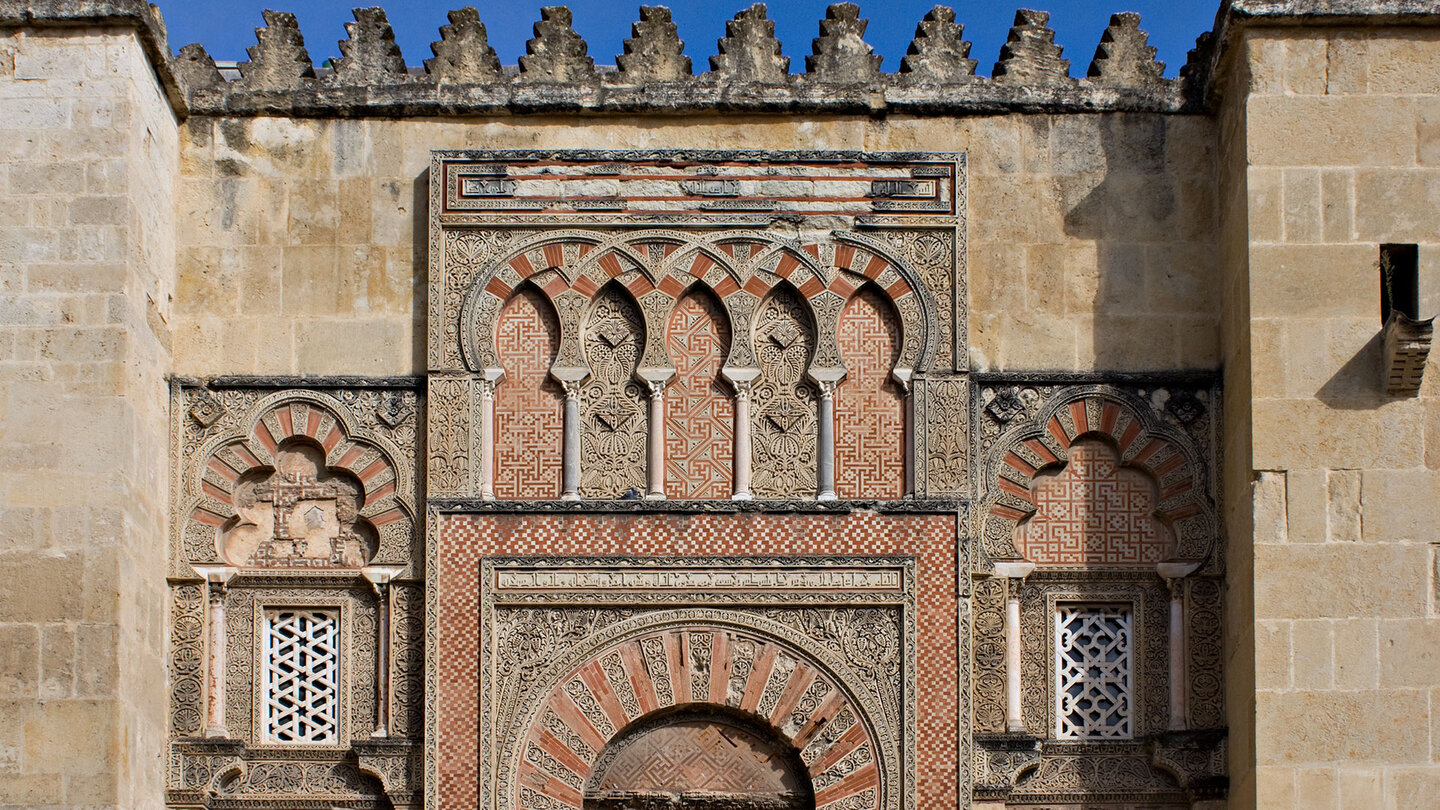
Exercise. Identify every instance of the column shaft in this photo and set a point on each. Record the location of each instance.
(1177, 656)
(215, 683)
(742, 444)
(487, 440)
(571, 473)
(657, 442)
(1014, 715)
(382, 672)
(825, 451)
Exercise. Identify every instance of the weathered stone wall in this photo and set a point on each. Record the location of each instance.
(1236, 475)
(88, 159)
(1338, 131)
(302, 246)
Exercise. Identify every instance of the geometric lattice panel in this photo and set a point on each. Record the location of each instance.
(1093, 512)
(1094, 690)
(300, 676)
(869, 413)
(528, 402)
(695, 755)
(699, 414)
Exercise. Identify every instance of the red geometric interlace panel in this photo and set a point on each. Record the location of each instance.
(699, 415)
(1093, 512)
(528, 404)
(869, 409)
(694, 756)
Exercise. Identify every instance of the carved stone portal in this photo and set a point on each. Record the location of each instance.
(608, 684)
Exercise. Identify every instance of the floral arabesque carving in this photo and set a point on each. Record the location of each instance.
(613, 413)
(1140, 440)
(784, 419)
(1148, 602)
(187, 659)
(300, 479)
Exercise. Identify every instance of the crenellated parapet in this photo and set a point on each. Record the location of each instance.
(748, 73)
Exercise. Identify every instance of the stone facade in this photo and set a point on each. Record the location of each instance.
(382, 436)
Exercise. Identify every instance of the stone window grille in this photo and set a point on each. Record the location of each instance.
(301, 676)
(1094, 690)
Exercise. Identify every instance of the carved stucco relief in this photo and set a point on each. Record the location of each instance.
(613, 414)
(699, 412)
(321, 479)
(528, 401)
(783, 420)
(869, 404)
(741, 268)
(299, 472)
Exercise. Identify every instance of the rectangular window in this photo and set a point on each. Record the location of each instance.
(1094, 695)
(300, 679)
(1399, 281)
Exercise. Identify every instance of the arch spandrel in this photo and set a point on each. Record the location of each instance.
(1142, 442)
(357, 487)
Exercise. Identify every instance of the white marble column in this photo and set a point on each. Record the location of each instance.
(1014, 574)
(217, 581)
(1174, 574)
(379, 577)
(1177, 655)
(1014, 714)
(657, 441)
(486, 386)
(907, 414)
(742, 438)
(825, 444)
(570, 475)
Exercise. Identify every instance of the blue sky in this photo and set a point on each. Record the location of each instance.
(226, 28)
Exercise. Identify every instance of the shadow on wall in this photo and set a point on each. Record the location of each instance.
(1137, 190)
(1357, 385)
(420, 271)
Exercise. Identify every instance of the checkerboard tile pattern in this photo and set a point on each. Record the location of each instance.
(465, 539)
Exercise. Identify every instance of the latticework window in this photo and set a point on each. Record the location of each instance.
(301, 676)
(1094, 682)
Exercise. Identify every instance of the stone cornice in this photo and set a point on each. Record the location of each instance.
(557, 75)
(1236, 16)
(143, 17)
